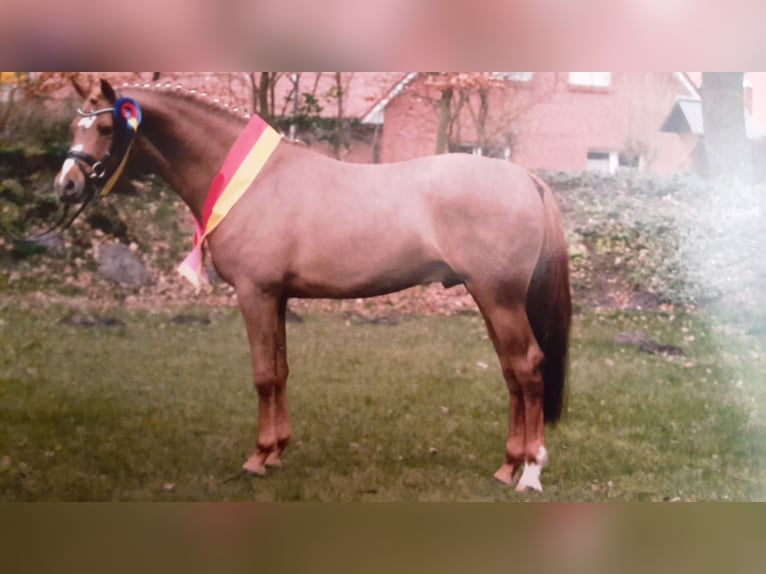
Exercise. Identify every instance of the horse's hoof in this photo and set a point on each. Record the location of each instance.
(505, 474)
(530, 479)
(273, 461)
(254, 467)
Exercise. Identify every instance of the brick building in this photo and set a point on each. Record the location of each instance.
(569, 121)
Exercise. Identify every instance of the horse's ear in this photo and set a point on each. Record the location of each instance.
(108, 91)
(79, 88)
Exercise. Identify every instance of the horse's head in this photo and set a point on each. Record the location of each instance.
(102, 137)
(92, 134)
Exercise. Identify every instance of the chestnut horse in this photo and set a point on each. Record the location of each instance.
(312, 227)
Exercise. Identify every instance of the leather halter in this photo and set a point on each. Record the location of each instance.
(98, 168)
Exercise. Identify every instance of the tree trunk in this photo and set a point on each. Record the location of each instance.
(341, 128)
(264, 91)
(445, 119)
(723, 111)
(481, 124)
(296, 80)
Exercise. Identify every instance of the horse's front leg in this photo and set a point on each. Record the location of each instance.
(264, 319)
(282, 426)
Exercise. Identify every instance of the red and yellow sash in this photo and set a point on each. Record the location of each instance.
(242, 165)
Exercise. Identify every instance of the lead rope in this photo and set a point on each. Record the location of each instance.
(38, 236)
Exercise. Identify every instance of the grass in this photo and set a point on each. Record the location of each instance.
(154, 410)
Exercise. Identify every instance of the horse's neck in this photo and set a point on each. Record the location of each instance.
(185, 143)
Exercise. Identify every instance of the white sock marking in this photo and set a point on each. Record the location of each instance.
(530, 478)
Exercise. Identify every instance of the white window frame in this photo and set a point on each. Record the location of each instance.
(590, 79)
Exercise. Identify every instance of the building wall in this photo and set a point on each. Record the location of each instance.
(409, 130)
(557, 124)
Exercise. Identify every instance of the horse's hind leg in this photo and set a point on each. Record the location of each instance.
(520, 359)
(282, 426)
(264, 320)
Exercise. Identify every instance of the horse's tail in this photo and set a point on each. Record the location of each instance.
(549, 306)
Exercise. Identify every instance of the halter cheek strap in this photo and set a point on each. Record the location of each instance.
(127, 119)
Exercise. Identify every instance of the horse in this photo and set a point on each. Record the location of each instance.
(309, 226)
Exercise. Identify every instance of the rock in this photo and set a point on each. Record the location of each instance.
(116, 262)
(52, 241)
(645, 344)
(91, 321)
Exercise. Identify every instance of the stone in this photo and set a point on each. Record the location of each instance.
(116, 262)
(91, 321)
(646, 344)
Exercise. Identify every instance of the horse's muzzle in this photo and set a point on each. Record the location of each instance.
(70, 184)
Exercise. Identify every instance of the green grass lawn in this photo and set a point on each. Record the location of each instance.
(154, 410)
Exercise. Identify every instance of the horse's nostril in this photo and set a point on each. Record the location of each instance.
(69, 185)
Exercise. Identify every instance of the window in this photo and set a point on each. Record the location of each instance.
(603, 161)
(514, 76)
(591, 79)
(631, 162)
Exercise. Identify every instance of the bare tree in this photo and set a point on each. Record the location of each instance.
(339, 92)
(263, 91)
(483, 108)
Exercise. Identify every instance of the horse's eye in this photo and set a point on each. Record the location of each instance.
(105, 130)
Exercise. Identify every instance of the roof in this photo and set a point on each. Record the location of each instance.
(685, 79)
(686, 118)
(375, 115)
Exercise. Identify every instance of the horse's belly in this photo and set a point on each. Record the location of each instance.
(343, 282)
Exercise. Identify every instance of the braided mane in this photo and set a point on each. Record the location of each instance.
(203, 99)
(199, 97)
